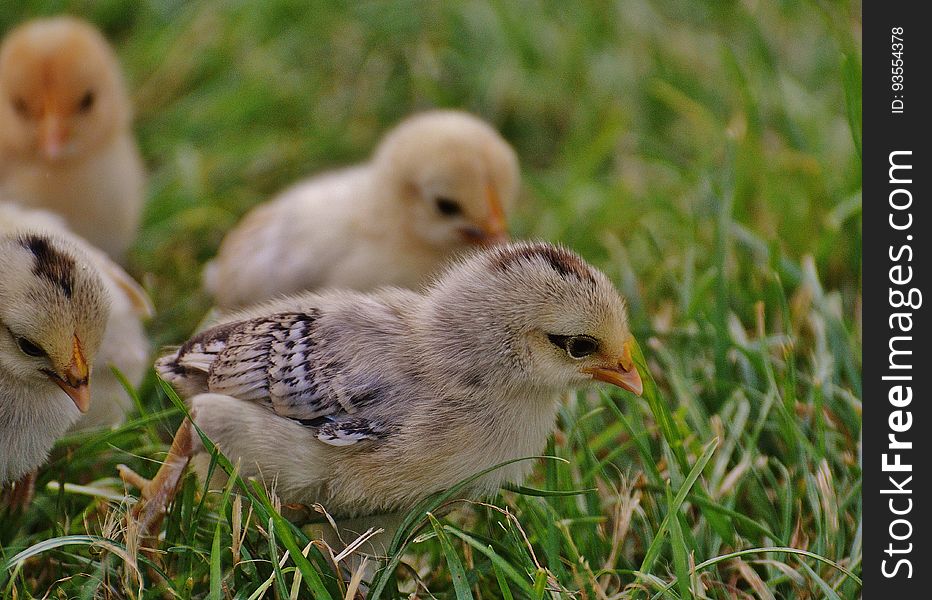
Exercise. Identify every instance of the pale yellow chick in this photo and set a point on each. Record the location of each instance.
(124, 343)
(369, 403)
(65, 138)
(439, 183)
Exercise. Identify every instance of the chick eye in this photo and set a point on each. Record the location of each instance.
(448, 208)
(19, 105)
(87, 101)
(577, 346)
(29, 348)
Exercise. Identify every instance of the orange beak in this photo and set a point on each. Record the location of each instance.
(623, 374)
(496, 228)
(74, 381)
(52, 136)
(52, 131)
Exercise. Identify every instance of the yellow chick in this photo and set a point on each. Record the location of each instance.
(53, 310)
(368, 403)
(124, 344)
(439, 183)
(65, 138)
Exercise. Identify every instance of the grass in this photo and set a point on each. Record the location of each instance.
(705, 154)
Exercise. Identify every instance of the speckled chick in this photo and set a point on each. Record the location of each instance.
(367, 403)
(53, 311)
(65, 138)
(125, 344)
(439, 183)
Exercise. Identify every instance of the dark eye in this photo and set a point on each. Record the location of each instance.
(19, 105)
(577, 346)
(87, 101)
(449, 208)
(29, 348)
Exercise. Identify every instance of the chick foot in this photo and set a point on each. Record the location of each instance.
(158, 492)
(18, 496)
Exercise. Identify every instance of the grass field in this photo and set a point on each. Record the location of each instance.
(705, 154)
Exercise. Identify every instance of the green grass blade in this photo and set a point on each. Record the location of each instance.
(674, 438)
(457, 571)
(747, 524)
(653, 551)
(502, 583)
(280, 585)
(418, 514)
(216, 568)
(658, 408)
(771, 549)
(506, 567)
(309, 573)
(216, 565)
(530, 491)
(678, 545)
(540, 584)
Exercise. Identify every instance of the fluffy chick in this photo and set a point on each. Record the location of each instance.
(438, 183)
(367, 403)
(125, 344)
(53, 310)
(65, 138)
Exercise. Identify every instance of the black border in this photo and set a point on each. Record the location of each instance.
(884, 132)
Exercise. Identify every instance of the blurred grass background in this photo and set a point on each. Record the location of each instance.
(705, 154)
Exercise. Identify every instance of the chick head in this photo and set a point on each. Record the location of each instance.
(61, 92)
(533, 314)
(53, 311)
(454, 176)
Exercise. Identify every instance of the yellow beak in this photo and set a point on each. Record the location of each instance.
(75, 380)
(623, 374)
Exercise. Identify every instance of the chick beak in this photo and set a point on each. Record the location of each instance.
(52, 135)
(623, 374)
(496, 227)
(74, 381)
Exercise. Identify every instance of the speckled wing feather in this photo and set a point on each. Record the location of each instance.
(271, 360)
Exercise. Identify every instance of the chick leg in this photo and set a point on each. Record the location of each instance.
(19, 495)
(158, 492)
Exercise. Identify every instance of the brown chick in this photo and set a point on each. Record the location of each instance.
(65, 139)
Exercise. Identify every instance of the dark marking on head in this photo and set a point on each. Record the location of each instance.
(51, 264)
(564, 262)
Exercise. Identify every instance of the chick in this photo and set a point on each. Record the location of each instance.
(125, 344)
(367, 403)
(440, 182)
(65, 139)
(53, 311)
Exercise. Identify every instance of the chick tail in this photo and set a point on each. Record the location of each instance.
(170, 369)
(183, 375)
